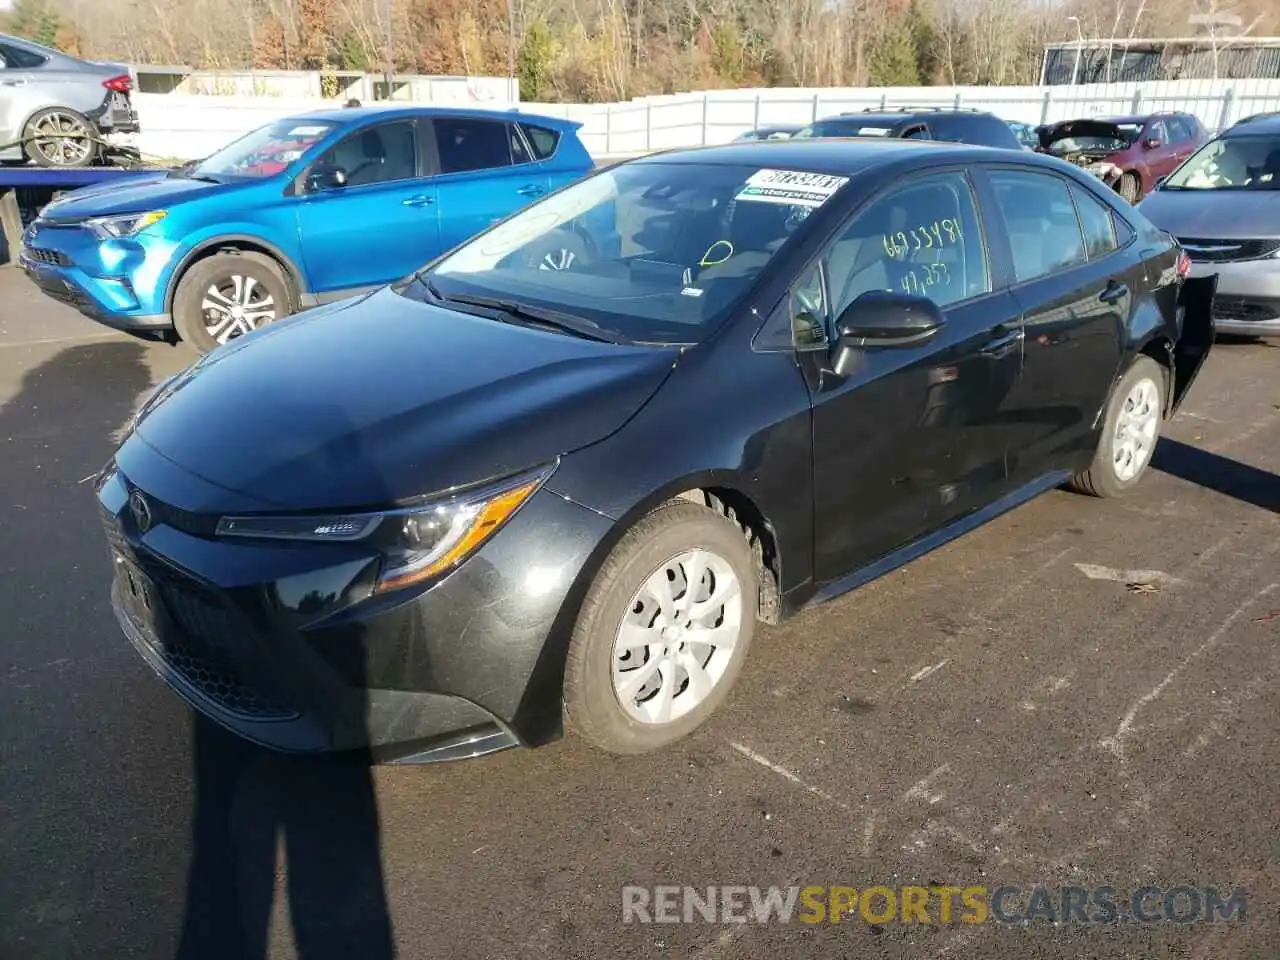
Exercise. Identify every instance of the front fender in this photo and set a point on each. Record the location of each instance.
(195, 244)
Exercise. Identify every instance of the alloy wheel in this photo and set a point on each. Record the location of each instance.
(236, 305)
(562, 259)
(62, 138)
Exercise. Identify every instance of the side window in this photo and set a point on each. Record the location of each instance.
(1178, 132)
(467, 144)
(1041, 220)
(808, 309)
(378, 154)
(1157, 131)
(1097, 223)
(543, 140)
(15, 58)
(922, 239)
(916, 133)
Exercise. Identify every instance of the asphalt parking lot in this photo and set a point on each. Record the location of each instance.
(1082, 693)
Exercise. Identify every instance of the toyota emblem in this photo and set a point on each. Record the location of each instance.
(140, 510)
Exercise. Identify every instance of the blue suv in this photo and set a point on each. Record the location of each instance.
(299, 212)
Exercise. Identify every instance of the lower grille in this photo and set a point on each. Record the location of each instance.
(1220, 251)
(53, 257)
(1245, 311)
(198, 636)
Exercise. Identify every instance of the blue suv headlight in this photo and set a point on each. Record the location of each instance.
(124, 225)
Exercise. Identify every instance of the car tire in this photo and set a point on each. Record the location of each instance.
(1130, 433)
(82, 138)
(623, 605)
(562, 250)
(204, 305)
(1130, 187)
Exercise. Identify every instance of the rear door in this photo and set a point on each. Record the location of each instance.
(1183, 139)
(378, 228)
(486, 172)
(1074, 280)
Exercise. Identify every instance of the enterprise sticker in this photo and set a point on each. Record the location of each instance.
(791, 187)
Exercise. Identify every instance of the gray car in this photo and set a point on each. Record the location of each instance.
(1223, 205)
(55, 109)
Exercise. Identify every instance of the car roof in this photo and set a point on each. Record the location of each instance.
(1139, 117)
(1266, 123)
(906, 113)
(346, 115)
(842, 156)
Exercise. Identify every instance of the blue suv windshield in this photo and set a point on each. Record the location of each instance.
(650, 251)
(264, 152)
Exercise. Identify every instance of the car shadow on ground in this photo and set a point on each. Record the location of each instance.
(1245, 483)
(249, 805)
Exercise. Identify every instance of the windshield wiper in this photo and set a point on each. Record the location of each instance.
(532, 316)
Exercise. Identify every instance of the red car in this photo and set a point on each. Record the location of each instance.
(1129, 154)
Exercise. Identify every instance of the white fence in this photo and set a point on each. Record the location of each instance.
(187, 126)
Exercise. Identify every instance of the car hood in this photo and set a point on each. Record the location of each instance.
(383, 398)
(1051, 133)
(134, 195)
(1214, 214)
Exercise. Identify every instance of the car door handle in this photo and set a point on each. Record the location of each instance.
(1114, 292)
(1002, 344)
(419, 200)
(532, 190)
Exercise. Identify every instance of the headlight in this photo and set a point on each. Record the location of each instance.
(419, 541)
(124, 225)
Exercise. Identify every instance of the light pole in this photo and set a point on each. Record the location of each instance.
(511, 51)
(1075, 70)
(388, 54)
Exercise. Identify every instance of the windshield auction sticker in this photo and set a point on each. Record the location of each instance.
(791, 187)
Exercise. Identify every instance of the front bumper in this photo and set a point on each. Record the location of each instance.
(1248, 297)
(284, 645)
(114, 282)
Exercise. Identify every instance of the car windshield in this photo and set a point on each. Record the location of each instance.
(1230, 163)
(646, 251)
(264, 152)
(846, 128)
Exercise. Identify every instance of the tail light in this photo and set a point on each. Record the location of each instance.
(1184, 265)
(120, 84)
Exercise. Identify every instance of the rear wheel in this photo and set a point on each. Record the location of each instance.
(1130, 187)
(228, 295)
(663, 631)
(1130, 433)
(60, 137)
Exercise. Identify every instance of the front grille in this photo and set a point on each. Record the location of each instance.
(1246, 311)
(201, 651)
(52, 257)
(196, 524)
(1219, 251)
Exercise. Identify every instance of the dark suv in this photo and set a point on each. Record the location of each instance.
(919, 123)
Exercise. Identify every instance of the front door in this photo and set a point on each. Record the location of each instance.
(1069, 279)
(913, 436)
(486, 173)
(382, 225)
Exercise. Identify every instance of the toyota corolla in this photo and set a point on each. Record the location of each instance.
(505, 495)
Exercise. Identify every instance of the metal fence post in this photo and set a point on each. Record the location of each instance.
(1224, 118)
(608, 128)
(959, 101)
(648, 125)
(705, 118)
(816, 97)
(884, 102)
(756, 124)
(1137, 101)
(1044, 108)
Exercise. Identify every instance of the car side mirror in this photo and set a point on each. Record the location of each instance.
(1152, 143)
(879, 319)
(326, 178)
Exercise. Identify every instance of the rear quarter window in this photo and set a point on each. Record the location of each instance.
(17, 59)
(542, 140)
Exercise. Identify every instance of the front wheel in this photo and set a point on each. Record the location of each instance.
(1130, 187)
(663, 631)
(228, 295)
(1130, 433)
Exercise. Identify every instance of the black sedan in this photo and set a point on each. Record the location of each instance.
(561, 472)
